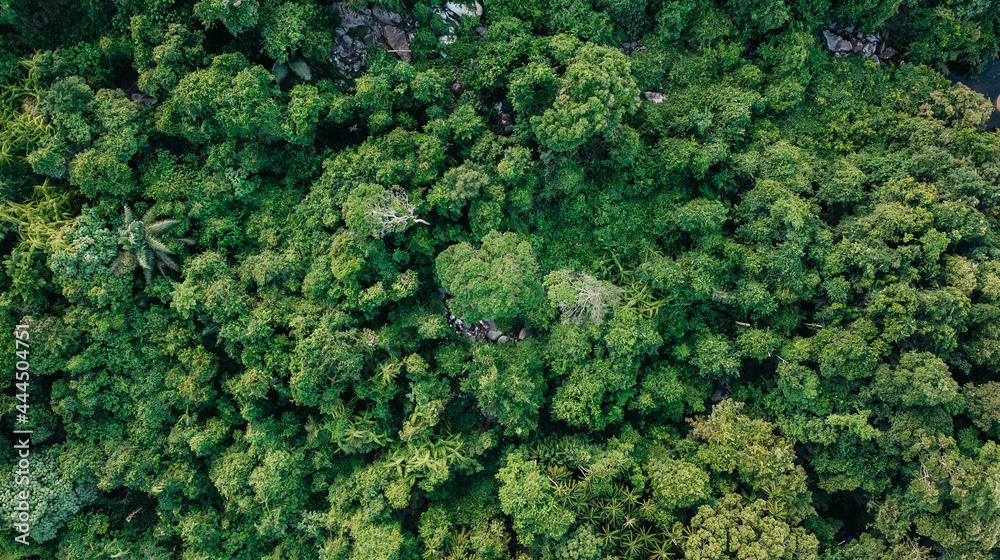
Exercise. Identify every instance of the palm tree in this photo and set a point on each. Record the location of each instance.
(142, 247)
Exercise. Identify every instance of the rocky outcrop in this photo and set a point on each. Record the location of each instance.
(359, 29)
(480, 330)
(633, 45)
(452, 13)
(842, 41)
(721, 393)
(653, 97)
(132, 93)
(388, 30)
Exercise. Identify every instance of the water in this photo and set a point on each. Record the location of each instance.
(987, 83)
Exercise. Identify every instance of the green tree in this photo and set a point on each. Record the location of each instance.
(594, 93)
(377, 211)
(142, 246)
(580, 295)
(499, 280)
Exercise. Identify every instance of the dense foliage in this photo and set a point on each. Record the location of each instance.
(759, 319)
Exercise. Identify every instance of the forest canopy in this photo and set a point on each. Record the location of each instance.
(531, 279)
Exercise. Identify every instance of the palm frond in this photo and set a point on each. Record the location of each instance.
(169, 262)
(160, 226)
(301, 69)
(157, 245)
(147, 274)
(145, 258)
(148, 215)
(279, 71)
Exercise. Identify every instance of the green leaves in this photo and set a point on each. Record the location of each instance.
(499, 280)
(526, 496)
(141, 247)
(580, 295)
(229, 99)
(734, 527)
(594, 94)
(373, 210)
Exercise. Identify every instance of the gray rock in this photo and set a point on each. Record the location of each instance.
(493, 334)
(490, 324)
(443, 292)
(462, 10)
(446, 16)
(888, 52)
(654, 97)
(387, 17)
(843, 45)
(868, 49)
(350, 19)
(997, 103)
(398, 41)
(446, 39)
(830, 39)
(857, 47)
(524, 332)
(502, 339)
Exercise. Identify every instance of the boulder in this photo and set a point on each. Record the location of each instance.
(869, 49)
(350, 19)
(888, 52)
(502, 339)
(997, 103)
(830, 39)
(843, 45)
(386, 17)
(461, 10)
(398, 41)
(654, 97)
(493, 334)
